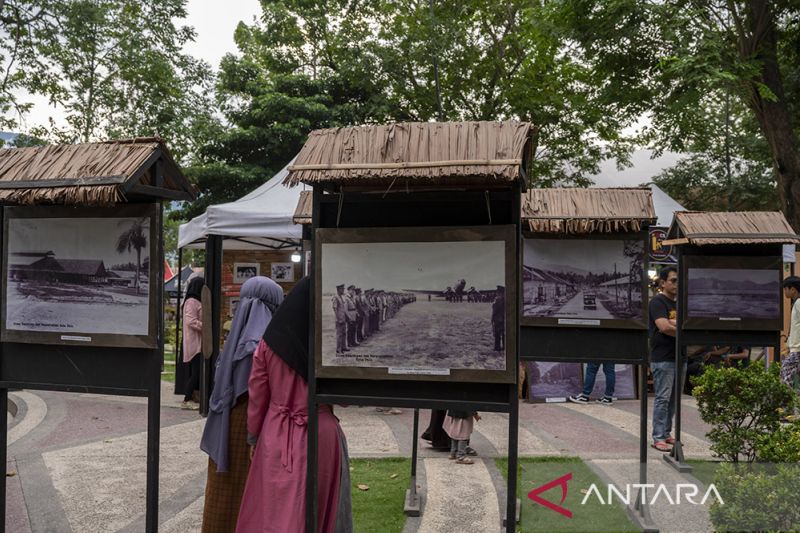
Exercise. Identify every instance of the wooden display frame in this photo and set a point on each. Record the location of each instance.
(78, 338)
(505, 233)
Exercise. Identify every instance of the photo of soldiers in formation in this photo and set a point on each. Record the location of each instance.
(418, 306)
(360, 314)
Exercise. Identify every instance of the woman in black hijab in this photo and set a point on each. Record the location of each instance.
(192, 340)
(277, 415)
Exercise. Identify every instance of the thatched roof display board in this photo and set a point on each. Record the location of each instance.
(575, 211)
(416, 153)
(302, 213)
(742, 227)
(91, 174)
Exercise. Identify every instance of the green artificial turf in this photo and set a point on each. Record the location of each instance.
(379, 509)
(591, 517)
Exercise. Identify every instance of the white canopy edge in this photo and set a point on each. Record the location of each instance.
(262, 218)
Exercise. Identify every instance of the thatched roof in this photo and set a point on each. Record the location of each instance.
(584, 211)
(741, 227)
(302, 213)
(98, 174)
(414, 153)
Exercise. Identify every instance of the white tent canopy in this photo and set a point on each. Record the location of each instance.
(260, 219)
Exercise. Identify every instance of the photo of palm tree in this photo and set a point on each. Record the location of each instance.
(78, 275)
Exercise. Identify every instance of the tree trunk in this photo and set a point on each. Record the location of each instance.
(773, 114)
(138, 268)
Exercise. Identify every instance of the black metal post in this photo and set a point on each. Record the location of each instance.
(675, 457)
(412, 505)
(3, 455)
(641, 509)
(154, 394)
(178, 308)
(313, 426)
(213, 279)
(513, 459)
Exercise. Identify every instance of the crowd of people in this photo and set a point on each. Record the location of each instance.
(360, 314)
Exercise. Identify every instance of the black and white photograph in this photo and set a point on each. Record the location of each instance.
(583, 279)
(282, 272)
(730, 293)
(624, 382)
(549, 381)
(78, 275)
(244, 271)
(414, 307)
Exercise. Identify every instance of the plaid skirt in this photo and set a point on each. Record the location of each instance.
(224, 489)
(790, 370)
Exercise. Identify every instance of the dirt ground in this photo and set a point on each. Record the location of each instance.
(78, 308)
(423, 334)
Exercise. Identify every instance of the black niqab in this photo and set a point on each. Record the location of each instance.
(195, 288)
(287, 333)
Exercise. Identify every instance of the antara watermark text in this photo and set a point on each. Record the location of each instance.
(653, 493)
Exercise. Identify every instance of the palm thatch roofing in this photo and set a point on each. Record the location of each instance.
(575, 211)
(302, 213)
(414, 153)
(92, 174)
(738, 227)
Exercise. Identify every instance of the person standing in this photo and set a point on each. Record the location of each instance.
(662, 328)
(277, 429)
(589, 380)
(351, 315)
(193, 340)
(790, 367)
(225, 433)
(499, 319)
(340, 312)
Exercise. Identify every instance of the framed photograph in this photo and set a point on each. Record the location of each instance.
(282, 272)
(244, 271)
(584, 282)
(233, 303)
(416, 303)
(624, 383)
(80, 276)
(738, 293)
(553, 382)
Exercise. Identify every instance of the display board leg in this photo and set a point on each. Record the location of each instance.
(411, 507)
(512, 504)
(153, 437)
(3, 455)
(640, 512)
(675, 457)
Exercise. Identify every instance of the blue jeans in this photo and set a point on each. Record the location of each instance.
(591, 375)
(664, 403)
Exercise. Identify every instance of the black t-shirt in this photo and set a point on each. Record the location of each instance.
(662, 347)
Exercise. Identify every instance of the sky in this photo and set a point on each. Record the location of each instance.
(419, 266)
(597, 256)
(72, 238)
(214, 23)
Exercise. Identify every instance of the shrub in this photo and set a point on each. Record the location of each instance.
(757, 497)
(782, 446)
(743, 407)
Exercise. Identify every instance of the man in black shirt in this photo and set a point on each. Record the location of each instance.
(663, 315)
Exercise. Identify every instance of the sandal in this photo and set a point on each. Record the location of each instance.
(670, 440)
(465, 461)
(662, 446)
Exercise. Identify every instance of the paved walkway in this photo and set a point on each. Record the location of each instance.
(77, 461)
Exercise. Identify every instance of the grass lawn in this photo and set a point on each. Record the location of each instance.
(381, 507)
(169, 364)
(592, 517)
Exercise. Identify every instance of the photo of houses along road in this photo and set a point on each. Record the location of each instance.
(583, 279)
